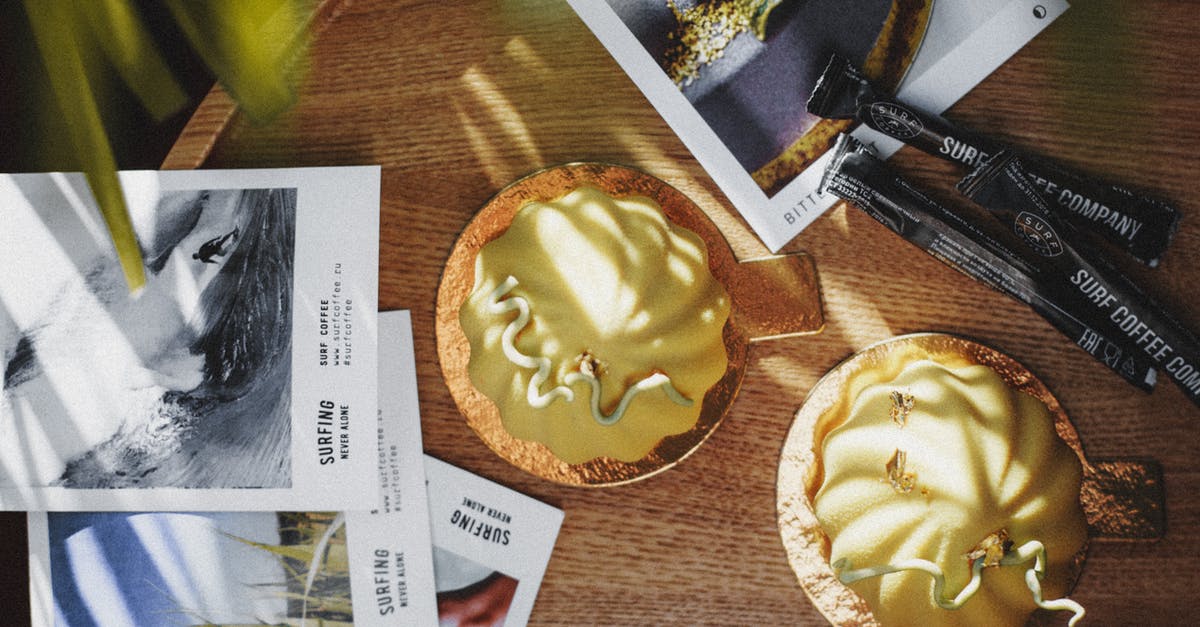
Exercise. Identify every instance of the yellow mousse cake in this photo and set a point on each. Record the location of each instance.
(948, 498)
(595, 326)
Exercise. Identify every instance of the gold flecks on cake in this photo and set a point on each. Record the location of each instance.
(901, 479)
(992, 548)
(902, 405)
(590, 365)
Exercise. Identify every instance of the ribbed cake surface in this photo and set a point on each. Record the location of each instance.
(595, 326)
(941, 478)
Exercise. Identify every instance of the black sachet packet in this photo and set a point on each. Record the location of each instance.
(859, 177)
(1126, 313)
(1141, 226)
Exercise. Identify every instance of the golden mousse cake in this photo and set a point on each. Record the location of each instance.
(595, 326)
(948, 498)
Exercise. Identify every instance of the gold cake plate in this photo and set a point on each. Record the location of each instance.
(1122, 500)
(771, 297)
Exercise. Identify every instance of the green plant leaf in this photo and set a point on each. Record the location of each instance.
(119, 33)
(54, 30)
(250, 46)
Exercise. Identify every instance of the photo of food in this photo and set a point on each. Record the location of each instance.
(749, 66)
(183, 383)
(186, 569)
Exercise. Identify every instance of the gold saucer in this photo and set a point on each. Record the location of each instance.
(794, 308)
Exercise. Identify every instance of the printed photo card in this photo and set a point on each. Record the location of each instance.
(242, 376)
(732, 79)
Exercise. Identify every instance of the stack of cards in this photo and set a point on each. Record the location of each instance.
(239, 442)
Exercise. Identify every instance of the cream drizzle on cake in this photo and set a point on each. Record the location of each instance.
(501, 302)
(1033, 578)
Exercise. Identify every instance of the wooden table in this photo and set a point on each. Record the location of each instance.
(457, 99)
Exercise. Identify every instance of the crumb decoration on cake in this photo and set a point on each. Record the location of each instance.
(595, 326)
(975, 518)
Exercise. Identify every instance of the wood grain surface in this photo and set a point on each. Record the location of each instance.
(457, 99)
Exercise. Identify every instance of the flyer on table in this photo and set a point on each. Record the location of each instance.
(491, 546)
(168, 569)
(242, 376)
(734, 86)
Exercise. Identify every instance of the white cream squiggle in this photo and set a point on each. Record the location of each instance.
(508, 339)
(1033, 578)
(498, 304)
